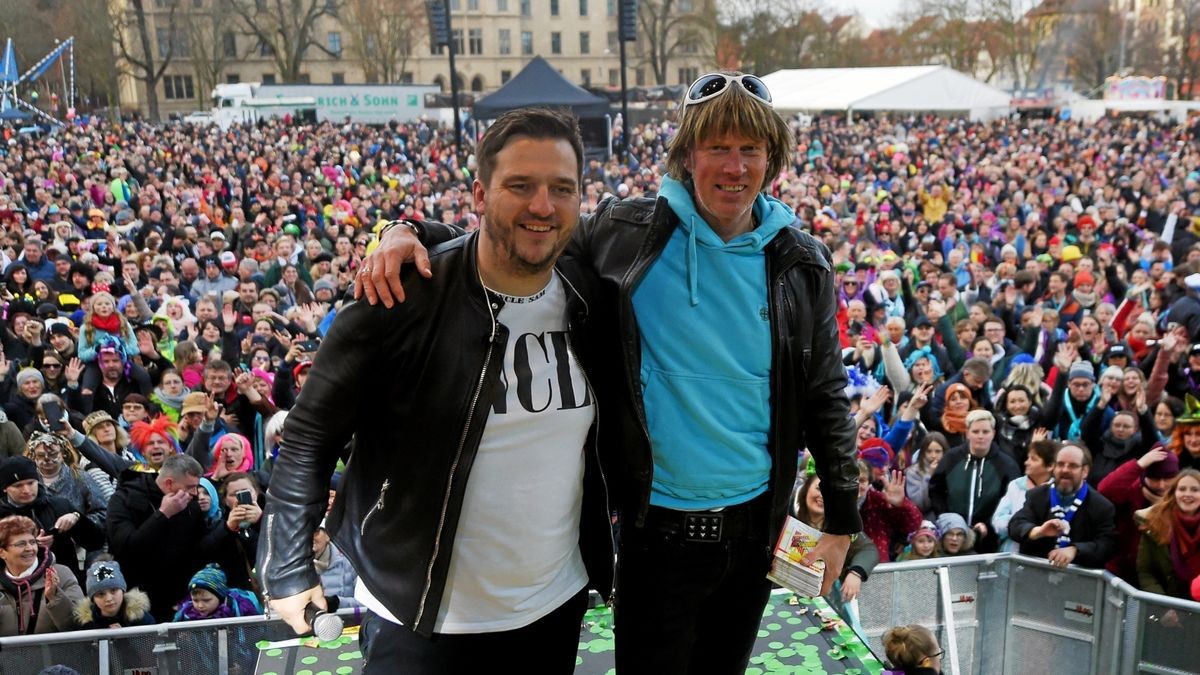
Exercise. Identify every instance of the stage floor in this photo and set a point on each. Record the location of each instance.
(795, 637)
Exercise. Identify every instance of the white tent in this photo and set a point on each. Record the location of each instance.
(914, 88)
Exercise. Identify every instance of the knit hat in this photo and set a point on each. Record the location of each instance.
(1112, 371)
(1084, 277)
(30, 373)
(194, 402)
(301, 367)
(952, 521)
(1081, 369)
(877, 453)
(324, 284)
(103, 575)
(926, 528)
(212, 579)
(16, 469)
(1167, 467)
(96, 419)
(1070, 253)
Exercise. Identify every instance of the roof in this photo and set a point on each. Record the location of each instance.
(539, 84)
(891, 88)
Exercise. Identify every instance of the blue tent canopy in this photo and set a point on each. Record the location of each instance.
(539, 84)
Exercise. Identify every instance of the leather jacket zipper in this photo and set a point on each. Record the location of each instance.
(362, 530)
(267, 560)
(462, 442)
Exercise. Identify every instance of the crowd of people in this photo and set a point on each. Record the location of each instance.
(1019, 311)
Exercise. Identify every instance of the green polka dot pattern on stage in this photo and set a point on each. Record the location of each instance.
(793, 638)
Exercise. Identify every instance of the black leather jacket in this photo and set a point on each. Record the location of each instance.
(412, 385)
(809, 407)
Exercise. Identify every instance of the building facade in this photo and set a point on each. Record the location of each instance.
(494, 39)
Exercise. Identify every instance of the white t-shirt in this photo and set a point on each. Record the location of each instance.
(516, 553)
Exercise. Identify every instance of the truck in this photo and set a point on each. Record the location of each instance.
(366, 103)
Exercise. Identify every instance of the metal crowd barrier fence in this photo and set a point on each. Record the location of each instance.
(214, 647)
(1001, 613)
(1008, 613)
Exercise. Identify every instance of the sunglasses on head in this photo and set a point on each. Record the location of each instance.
(713, 85)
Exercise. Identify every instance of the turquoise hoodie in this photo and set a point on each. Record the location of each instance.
(706, 357)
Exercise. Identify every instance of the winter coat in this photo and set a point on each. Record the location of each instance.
(82, 492)
(1107, 451)
(1093, 532)
(951, 485)
(339, 578)
(1156, 572)
(1010, 503)
(134, 612)
(49, 616)
(916, 486)
(1123, 488)
(45, 510)
(884, 523)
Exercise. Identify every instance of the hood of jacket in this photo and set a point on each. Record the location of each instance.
(136, 605)
(772, 216)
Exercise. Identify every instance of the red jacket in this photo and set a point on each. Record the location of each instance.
(881, 520)
(1123, 487)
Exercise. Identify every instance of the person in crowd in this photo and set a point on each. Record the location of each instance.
(1067, 521)
(338, 577)
(972, 478)
(1129, 435)
(954, 537)
(808, 506)
(157, 532)
(888, 515)
(1074, 396)
(953, 422)
(1039, 467)
(108, 436)
(919, 472)
(657, 487)
(241, 506)
(211, 597)
(1136, 485)
(1168, 556)
(36, 593)
(913, 650)
(1185, 439)
(1017, 417)
(60, 473)
(922, 544)
(110, 603)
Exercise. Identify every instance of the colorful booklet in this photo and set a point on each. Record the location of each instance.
(796, 540)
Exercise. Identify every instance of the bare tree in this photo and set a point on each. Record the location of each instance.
(383, 34)
(1183, 57)
(285, 28)
(212, 37)
(665, 31)
(136, 48)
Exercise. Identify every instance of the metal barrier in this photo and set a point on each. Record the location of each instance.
(1001, 613)
(215, 647)
(1009, 613)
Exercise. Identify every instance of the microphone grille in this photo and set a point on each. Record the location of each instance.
(327, 627)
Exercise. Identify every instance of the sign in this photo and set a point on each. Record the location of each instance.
(1137, 88)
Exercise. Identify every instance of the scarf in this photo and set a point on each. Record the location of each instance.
(322, 562)
(1185, 545)
(1076, 420)
(170, 401)
(108, 324)
(1068, 514)
(1086, 300)
(22, 588)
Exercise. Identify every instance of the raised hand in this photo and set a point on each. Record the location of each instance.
(893, 487)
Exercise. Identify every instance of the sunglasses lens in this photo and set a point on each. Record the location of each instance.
(707, 86)
(755, 86)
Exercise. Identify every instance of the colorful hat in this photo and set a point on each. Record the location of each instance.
(212, 579)
(103, 575)
(1191, 413)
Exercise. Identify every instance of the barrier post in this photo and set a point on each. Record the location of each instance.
(948, 618)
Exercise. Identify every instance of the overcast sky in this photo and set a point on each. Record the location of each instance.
(876, 13)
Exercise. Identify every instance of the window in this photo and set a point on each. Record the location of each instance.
(640, 77)
(526, 8)
(585, 77)
(177, 87)
(334, 43)
(614, 77)
(472, 5)
(526, 43)
(304, 78)
(331, 6)
(455, 5)
(406, 77)
(505, 76)
(233, 78)
(229, 44)
(685, 6)
(505, 41)
(555, 42)
(268, 78)
(175, 44)
(553, 7)
(612, 41)
(475, 41)
(585, 43)
(372, 78)
(612, 7)
(265, 49)
(688, 75)
(339, 78)
(582, 7)
(502, 5)
(456, 38)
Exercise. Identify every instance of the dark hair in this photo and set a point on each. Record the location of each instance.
(1046, 451)
(1087, 454)
(800, 499)
(217, 365)
(541, 123)
(239, 475)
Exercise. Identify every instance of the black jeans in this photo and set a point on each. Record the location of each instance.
(687, 606)
(548, 645)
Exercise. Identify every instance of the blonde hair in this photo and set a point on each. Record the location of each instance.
(1028, 375)
(734, 111)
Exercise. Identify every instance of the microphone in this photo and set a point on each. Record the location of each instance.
(326, 627)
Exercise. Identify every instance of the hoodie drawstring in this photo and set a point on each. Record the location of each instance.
(692, 274)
